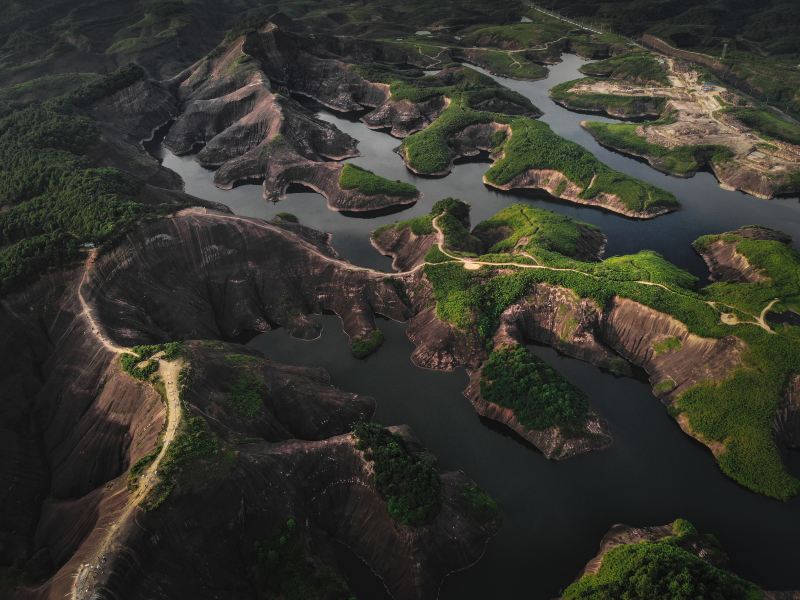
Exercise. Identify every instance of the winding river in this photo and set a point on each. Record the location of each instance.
(554, 513)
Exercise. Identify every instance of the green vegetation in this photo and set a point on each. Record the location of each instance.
(517, 65)
(45, 87)
(52, 199)
(533, 145)
(768, 123)
(284, 570)
(193, 443)
(516, 35)
(138, 367)
(668, 344)
(136, 363)
(664, 386)
(245, 396)
(363, 347)
(682, 160)
(369, 184)
(453, 219)
(288, 217)
(621, 106)
(521, 227)
(481, 505)
(407, 481)
(469, 92)
(422, 225)
(538, 395)
(633, 67)
(140, 466)
(668, 568)
(736, 412)
(760, 38)
(428, 151)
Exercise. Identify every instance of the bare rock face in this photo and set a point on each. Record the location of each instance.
(74, 423)
(203, 274)
(234, 113)
(559, 318)
(401, 118)
(285, 169)
(726, 264)
(318, 67)
(406, 248)
(128, 117)
(612, 337)
(634, 331)
(787, 419)
(556, 184)
(237, 109)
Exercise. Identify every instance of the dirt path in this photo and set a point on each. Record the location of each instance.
(473, 265)
(88, 313)
(83, 585)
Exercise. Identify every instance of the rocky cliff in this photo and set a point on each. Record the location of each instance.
(213, 275)
(74, 422)
(558, 185)
(240, 115)
(292, 460)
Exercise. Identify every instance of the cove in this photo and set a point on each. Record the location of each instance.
(554, 513)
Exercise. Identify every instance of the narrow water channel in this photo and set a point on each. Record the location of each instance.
(554, 513)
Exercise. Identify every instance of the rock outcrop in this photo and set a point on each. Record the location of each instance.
(726, 264)
(557, 185)
(401, 118)
(622, 333)
(213, 275)
(238, 109)
(74, 423)
(406, 248)
(297, 462)
(128, 117)
(787, 420)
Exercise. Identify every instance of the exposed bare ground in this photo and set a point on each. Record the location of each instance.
(699, 121)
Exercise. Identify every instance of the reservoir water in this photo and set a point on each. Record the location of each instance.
(554, 513)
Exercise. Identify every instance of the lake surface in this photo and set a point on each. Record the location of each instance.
(554, 513)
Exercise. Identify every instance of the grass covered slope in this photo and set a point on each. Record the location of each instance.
(635, 67)
(521, 227)
(366, 182)
(674, 567)
(630, 69)
(768, 124)
(428, 151)
(533, 146)
(733, 416)
(682, 161)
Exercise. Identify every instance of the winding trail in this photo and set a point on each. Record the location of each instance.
(88, 573)
(473, 265)
(470, 264)
(88, 313)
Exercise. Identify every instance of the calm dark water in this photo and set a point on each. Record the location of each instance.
(554, 513)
